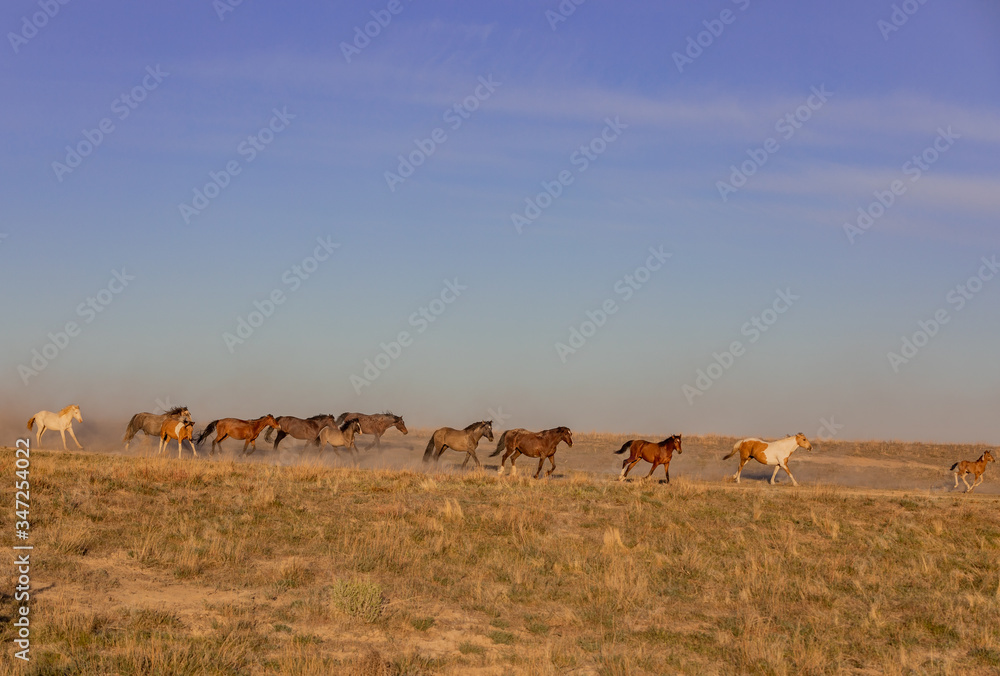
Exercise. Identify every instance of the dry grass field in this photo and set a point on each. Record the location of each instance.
(165, 566)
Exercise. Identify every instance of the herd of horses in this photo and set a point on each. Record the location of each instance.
(340, 431)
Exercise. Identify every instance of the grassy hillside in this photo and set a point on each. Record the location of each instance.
(181, 567)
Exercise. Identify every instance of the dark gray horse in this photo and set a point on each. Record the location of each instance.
(151, 423)
(299, 428)
(376, 424)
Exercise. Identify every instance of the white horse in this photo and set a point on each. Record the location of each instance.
(179, 430)
(769, 453)
(62, 421)
(341, 436)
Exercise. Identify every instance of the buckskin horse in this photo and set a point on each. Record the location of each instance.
(769, 453)
(152, 423)
(236, 428)
(656, 453)
(61, 421)
(339, 436)
(977, 469)
(459, 440)
(376, 424)
(541, 445)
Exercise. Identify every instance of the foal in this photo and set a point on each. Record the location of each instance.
(658, 454)
(977, 468)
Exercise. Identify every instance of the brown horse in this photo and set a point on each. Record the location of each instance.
(977, 469)
(238, 429)
(459, 440)
(299, 428)
(658, 454)
(375, 424)
(151, 423)
(542, 445)
(179, 430)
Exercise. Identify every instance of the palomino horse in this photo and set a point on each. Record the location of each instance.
(542, 445)
(237, 429)
(151, 423)
(977, 469)
(376, 424)
(306, 429)
(62, 421)
(658, 454)
(769, 453)
(179, 430)
(459, 440)
(339, 436)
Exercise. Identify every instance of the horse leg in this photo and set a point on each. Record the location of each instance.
(374, 444)
(468, 457)
(740, 470)
(775, 472)
(956, 479)
(789, 473)
(502, 460)
(475, 457)
(513, 467)
(552, 461)
(63, 433)
(245, 444)
(964, 481)
(38, 437)
(277, 439)
(666, 470)
(652, 469)
(193, 449)
(72, 434)
(541, 461)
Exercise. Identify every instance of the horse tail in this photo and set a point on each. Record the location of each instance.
(267, 433)
(31, 423)
(429, 451)
(625, 447)
(131, 430)
(205, 432)
(500, 444)
(340, 419)
(736, 449)
(954, 466)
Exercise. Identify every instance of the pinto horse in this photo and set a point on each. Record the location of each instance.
(459, 440)
(977, 469)
(152, 424)
(541, 445)
(339, 436)
(769, 453)
(656, 453)
(237, 429)
(179, 430)
(61, 421)
(376, 424)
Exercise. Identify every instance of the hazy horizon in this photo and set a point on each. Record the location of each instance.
(723, 217)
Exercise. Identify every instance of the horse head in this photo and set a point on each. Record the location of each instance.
(677, 443)
(565, 434)
(353, 425)
(988, 456)
(397, 422)
(270, 421)
(801, 440)
(487, 426)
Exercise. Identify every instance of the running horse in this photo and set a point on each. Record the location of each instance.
(769, 453)
(152, 423)
(179, 430)
(61, 421)
(376, 424)
(339, 436)
(656, 453)
(541, 445)
(248, 430)
(306, 429)
(976, 468)
(459, 440)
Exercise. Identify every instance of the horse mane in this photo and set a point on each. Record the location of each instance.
(176, 410)
(474, 425)
(347, 423)
(65, 410)
(321, 415)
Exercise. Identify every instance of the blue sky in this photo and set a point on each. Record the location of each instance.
(328, 130)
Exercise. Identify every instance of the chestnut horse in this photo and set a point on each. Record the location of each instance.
(238, 429)
(541, 445)
(769, 453)
(459, 440)
(179, 430)
(658, 454)
(61, 421)
(376, 424)
(977, 469)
